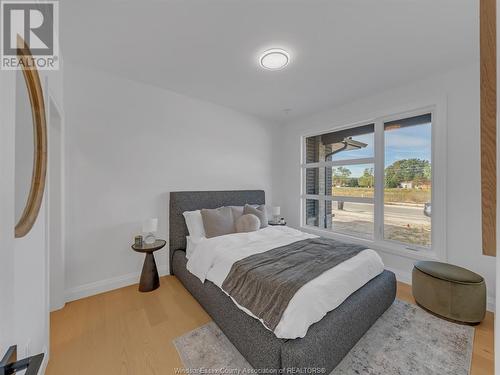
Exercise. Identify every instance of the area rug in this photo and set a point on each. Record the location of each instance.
(405, 340)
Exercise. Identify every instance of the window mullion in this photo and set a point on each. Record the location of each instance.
(379, 181)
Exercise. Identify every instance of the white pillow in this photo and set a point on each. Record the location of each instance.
(237, 212)
(191, 244)
(194, 223)
(247, 223)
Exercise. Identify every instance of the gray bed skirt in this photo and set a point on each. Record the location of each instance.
(326, 342)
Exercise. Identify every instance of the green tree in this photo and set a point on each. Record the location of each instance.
(367, 179)
(428, 172)
(352, 182)
(407, 170)
(341, 176)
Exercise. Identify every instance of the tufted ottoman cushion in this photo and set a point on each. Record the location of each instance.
(449, 291)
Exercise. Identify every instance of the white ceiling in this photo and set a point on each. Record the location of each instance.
(340, 49)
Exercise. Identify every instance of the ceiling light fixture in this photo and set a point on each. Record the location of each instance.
(274, 59)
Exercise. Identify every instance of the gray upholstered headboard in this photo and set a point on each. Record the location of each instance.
(181, 201)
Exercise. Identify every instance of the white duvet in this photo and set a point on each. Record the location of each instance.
(213, 258)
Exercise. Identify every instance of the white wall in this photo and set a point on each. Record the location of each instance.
(24, 310)
(7, 132)
(31, 289)
(128, 146)
(461, 90)
(55, 203)
(31, 266)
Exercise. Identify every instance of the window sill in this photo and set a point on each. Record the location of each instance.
(383, 246)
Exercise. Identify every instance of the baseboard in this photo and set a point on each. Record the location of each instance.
(405, 277)
(101, 286)
(106, 285)
(401, 276)
(490, 304)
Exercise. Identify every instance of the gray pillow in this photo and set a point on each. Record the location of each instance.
(260, 212)
(218, 221)
(247, 223)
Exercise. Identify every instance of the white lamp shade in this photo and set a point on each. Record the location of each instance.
(276, 211)
(150, 225)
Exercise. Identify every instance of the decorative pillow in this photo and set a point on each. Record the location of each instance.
(194, 223)
(237, 212)
(260, 212)
(218, 221)
(247, 223)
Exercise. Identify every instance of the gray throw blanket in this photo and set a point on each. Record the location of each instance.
(265, 283)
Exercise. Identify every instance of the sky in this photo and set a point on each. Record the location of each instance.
(404, 143)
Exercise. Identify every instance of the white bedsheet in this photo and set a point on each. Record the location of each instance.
(213, 258)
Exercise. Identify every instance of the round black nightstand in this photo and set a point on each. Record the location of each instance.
(149, 276)
(277, 224)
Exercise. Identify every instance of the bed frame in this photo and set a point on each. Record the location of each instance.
(326, 342)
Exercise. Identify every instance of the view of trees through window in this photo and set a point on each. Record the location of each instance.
(408, 180)
(357, 183)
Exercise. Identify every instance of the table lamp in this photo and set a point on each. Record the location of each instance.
(149, 228)
(276, 211)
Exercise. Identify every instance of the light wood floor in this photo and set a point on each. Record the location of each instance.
(127, 332)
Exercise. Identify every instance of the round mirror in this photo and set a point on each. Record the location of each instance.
(30, 145)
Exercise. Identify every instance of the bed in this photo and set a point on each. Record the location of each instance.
(326, 341)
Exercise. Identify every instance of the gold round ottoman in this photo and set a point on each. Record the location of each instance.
(449, 291)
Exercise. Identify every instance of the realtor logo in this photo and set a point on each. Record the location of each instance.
(33, 28)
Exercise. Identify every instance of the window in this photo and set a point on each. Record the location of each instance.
(377, 192)
(408, 180)
(339, 180)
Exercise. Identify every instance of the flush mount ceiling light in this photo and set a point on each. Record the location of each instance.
(274, 59)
